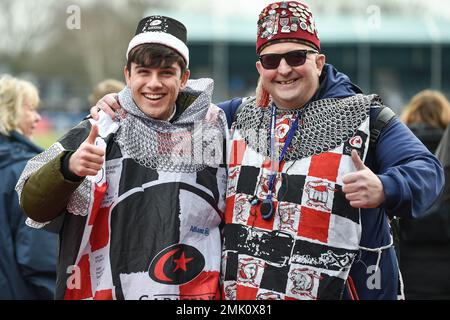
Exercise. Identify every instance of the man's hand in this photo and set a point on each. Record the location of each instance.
(88, 159)
(109, 104)
(362, 188)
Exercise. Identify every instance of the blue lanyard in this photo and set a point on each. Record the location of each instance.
(290, 136)
(266, 208)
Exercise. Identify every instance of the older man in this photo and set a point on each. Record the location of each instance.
(310, 187)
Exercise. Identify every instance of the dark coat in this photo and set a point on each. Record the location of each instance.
(425, 242)
(27, 256)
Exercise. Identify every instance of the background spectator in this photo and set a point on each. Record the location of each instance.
(27, 256)
(103, 88)
(425, 242)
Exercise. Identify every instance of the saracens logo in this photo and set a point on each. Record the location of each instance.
(177, 264)
(282, 130)
(356, 142)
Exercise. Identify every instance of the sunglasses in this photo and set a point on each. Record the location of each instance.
(294, 58)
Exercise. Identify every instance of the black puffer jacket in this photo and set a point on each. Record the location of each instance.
(425, 242)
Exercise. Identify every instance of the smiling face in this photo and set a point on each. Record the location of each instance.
(156, 74)
(291, 87)
(156, 89)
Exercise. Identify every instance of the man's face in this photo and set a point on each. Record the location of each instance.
(155, 90)
(291, 87)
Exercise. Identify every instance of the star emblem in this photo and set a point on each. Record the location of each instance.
(181, 262)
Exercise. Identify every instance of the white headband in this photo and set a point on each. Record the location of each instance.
(160, 38)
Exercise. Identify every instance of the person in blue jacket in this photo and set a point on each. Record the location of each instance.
(308, 209)
(27, 256)
(310, 194)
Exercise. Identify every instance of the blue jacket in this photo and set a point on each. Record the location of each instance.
(412, 179)
(27, 256)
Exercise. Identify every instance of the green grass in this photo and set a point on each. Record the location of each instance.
(46, 140)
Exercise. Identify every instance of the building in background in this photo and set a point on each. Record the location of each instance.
(394, 48)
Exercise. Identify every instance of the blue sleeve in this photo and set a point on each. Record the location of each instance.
(412, 177)
(230, 107)
(36, 252)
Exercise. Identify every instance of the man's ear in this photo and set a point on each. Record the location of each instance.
(126, 74)
(320, 63)
(259, 67)
(185, 78)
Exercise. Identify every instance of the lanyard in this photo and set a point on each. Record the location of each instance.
(290, 136)
(267, 205)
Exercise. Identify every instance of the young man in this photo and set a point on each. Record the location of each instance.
(309, 195)
(138, 202)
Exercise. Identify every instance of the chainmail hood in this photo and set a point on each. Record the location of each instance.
(190, 143)
(324, 125)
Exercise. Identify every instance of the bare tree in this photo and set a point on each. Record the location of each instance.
(25, 26)
(106, 27)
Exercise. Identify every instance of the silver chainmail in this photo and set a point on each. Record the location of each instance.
(188, 144)
(80, 199)
(324, 125)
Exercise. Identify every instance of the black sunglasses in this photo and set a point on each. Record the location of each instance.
(294, 58)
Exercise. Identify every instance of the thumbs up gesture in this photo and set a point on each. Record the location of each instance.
(362, 188)
(88, 159)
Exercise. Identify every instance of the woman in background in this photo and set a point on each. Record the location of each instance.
(427, 115)
(27, 256)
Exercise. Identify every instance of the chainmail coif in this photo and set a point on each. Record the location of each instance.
(325, 124)
(188, 144)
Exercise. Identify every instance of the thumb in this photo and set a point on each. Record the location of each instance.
(359, 165)
(92, 135)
